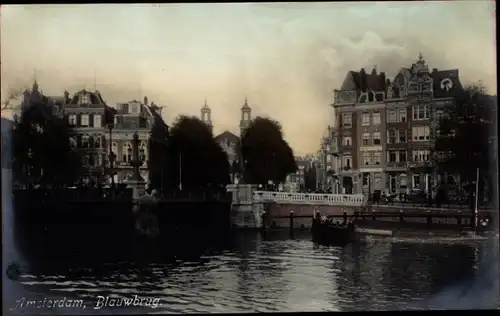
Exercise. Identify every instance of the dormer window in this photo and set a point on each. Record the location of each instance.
(84, 99)
(371, 96)
(134, 108)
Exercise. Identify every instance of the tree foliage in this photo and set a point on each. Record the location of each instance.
(465, 135)
(158, 154)
(266, 155)
(194, 158)
(42, 151)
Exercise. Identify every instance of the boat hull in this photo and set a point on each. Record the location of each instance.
(328, 234)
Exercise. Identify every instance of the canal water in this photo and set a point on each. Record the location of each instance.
(255, 273)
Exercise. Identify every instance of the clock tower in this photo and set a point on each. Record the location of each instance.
(206, 115)
(246, 117)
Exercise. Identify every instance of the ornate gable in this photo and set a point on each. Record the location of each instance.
(420, 79)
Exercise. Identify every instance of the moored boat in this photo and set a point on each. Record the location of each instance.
(326, 232)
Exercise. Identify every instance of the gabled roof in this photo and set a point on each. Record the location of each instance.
(362, 81)
(227, 135)
(95, 97)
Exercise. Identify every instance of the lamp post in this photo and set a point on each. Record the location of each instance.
(136, 163)
(111, 157)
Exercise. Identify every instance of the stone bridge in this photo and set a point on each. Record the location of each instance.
(249, 205)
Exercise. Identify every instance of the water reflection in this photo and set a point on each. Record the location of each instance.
(254, 273)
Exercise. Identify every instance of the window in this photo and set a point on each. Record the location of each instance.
(73, 142)
(366, 159)
(126, 152)
(365, 119)
(376, 158)
(366, 179)
(85, 141)
(391, 135)
(97, 120)
(402, 136)
(376, 118)
(371, 96)
(347, 120)
(391, 156)
(97, 142)
(134, 108)
(421, 155)
(421, 112)
(441, 115)
(376, 138)
(347, 141)
(99, 160)
(366, 139)
(142, 152)
(377, 179)
(115, 120)
(416, 181)
(402, 180)
(421, 133)
(392, 116)
(402, 156)
(402, 115)
(347, 162)
(84, 99)
(85, 120)
(72, 119)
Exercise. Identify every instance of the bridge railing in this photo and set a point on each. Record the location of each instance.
(310, 198)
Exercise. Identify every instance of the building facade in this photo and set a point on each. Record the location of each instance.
(130, 118)
(295, 182)
(228, 141)
(385, 130)
(88, 113)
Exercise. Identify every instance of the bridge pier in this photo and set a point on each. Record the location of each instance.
(245, 213)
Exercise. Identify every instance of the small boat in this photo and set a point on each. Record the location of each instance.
(326, 232)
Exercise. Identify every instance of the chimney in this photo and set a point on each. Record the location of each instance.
(362, 79)
(146, 100)
(374, 71)
(434, 70)
(66, 97)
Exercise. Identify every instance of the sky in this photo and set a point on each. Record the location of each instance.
(286, 58)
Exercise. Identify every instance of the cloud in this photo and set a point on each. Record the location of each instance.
(285, 58)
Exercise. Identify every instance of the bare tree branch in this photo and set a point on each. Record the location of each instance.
(12, 94)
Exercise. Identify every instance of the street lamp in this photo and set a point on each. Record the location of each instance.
(112, 156)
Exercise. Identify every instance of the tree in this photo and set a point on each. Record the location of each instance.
(42, 151)
(158, 154)
(266, 155)
(465, 136)
(11, 95)
(195, 160)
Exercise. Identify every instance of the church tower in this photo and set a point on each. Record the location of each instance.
(206, 115)
(246, 117)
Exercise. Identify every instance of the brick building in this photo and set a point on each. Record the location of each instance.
(385, 130)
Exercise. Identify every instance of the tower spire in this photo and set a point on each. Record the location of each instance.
(205, 102)
(35, 83)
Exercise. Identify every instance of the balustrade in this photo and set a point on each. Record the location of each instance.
(310, 198)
